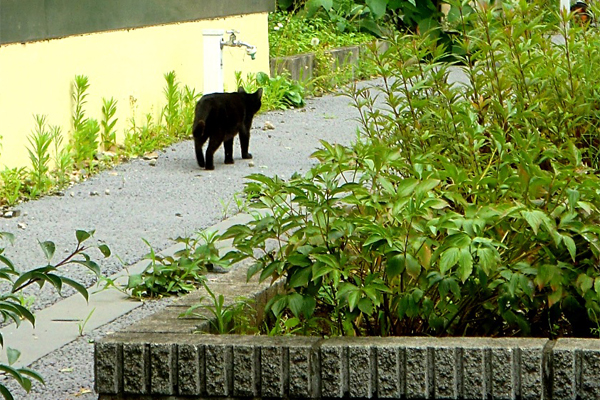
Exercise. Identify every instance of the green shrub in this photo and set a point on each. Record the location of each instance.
(465, 209)
(180, 273)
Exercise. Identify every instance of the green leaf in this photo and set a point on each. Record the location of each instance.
(5, 392)
(365, 305)
(77, 286)
(49, 248)
(105, 250)
(407, 186)
(584, 283)
(395, 266)
(387, 185)
(353, 298)
(134, 281)
(570, 244)
(534, 219)
(378, 7)
(459, 240)
(299, 277)
(82, 236)
(296, 303)
(91, 265)
(413, 267)
(465, 264)
(12, 355)
(448, 259)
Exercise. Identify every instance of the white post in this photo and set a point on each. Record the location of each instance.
(565, 5)
(213, 60)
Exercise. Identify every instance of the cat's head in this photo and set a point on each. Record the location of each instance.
(255, 98)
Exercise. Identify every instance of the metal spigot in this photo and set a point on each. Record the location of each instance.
(233, 42)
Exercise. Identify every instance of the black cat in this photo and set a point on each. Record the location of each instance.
(219, 117)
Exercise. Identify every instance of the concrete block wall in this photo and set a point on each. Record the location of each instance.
(209, 366)
(301, 67)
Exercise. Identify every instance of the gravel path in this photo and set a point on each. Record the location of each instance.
(138, 200)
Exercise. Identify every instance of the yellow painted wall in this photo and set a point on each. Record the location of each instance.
(36, 77)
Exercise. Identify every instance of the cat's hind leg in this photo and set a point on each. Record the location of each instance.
(213, 145)
(228, 146)
(200, 137)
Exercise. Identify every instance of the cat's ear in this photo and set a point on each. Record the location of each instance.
(241, 90)
(259, 93)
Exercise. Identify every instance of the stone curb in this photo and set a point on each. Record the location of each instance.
(129, 365)
(301, 66)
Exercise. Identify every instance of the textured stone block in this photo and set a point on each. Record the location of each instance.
(390, 370)
(245, 370)
(163, 368)
(219, 369)
(588, 364)
(136, 368)
(418, 375)
(303, 379)
(108, 367)
(274, 371)
(504, 379)
(190, 369)
(361, 371)
(446, 372)
(563, 384)
(334, 370)
(475, 383)
(532, 373)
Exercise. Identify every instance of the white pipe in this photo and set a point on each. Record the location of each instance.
(213, 60)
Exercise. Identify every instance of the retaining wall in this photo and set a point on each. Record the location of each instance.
(160, 357)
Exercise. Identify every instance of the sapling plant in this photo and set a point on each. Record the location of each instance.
(85, 131)
(39, 155)
(109, 135)
(12, 308)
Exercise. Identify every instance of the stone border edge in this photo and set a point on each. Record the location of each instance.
(182, 365)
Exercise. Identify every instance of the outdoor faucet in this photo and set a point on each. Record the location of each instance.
(233, 42)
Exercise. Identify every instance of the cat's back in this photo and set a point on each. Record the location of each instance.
(220, 101)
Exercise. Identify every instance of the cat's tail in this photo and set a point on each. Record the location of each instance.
(198, 129)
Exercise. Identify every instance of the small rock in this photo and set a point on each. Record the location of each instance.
(72, 194)
(107, 192)
(251, 163)
(152, 163)
(178, 215)
(11, 214)
(268, 126)
(151, 156)
(21, 225)
(94, 193)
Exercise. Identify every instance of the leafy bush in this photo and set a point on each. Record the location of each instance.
(279, 93)
(463, 209)
(12, 308)
(291, 34)
(180, 273)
